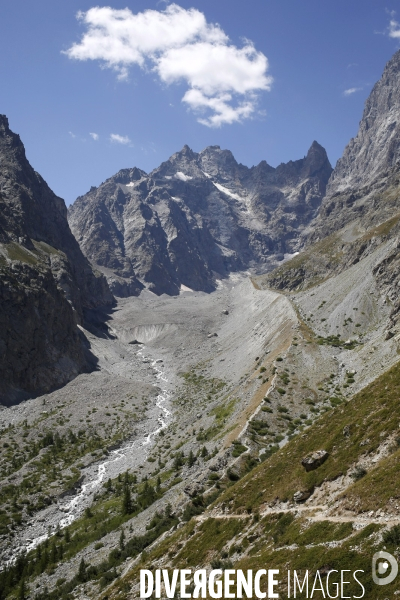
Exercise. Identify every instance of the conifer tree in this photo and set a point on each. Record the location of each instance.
(191, 459)
(22, 591)
(122, 540)
(82, 571)
(127, 502)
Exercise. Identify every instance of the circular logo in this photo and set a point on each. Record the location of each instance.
(384, 568)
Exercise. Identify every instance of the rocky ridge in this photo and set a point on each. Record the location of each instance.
(360, 211)
(364, 185)
(45, 281)
(196, 218)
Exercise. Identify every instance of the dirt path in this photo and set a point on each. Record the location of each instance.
(310, 513)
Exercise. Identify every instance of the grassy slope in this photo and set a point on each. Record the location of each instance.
(326, 257)
(288, 540)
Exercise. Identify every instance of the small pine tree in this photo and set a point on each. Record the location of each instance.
(67, 536)
(122, 540)
(191, 459)
(82, 571)
(22, 591)
(204, 452)
(45, 559)
(178, 461)
(53, 553)
(127, 502)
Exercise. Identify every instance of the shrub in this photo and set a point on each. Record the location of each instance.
(238, 448)
(232, 475)
(392, 536)
(358, 473)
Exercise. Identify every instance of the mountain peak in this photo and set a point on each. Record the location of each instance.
(187, 152)
(4, 123)
(316, 160)
(316, 147)
(197, 217)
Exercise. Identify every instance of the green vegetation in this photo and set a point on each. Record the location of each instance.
(123, 499)
(374, 413)
(238, 448)
(258, 427)
(361, 425)
(50, 455)
(313, 262)
(46, 248)
(323, 258)
(211, 535)
(17, 252)
(337, 342)
(105, 572)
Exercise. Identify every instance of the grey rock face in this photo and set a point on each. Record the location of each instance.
(361, 208)
(301, 496)
(45, 281)
(376, 147)
(370, 163)
(196, 218)
(30, 211)
(40, 346)
(314, 460)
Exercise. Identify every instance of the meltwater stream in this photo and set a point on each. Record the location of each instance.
(125, 456)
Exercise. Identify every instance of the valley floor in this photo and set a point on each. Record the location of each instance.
(190, 394)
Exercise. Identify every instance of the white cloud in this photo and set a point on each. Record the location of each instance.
(352, 91)
(95, 136)
(179, 45)
(119, 139)
(394, 29)
(72, 134)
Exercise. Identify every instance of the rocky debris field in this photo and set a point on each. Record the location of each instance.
(189, 391)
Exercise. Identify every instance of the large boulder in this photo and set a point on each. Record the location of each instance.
(314, 460)
(301, 496)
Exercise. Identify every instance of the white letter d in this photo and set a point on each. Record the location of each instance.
(145, 574)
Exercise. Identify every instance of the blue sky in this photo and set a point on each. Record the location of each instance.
(281, 70)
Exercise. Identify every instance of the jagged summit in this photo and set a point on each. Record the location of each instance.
(360, 211)
(196, 218)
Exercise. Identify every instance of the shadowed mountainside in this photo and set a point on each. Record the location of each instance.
(45, 281)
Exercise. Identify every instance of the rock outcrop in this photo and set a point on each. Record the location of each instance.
(376, 147)
(360, 187)
(314, 460)
(45, 281)
(196, 218)
(361, 208)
